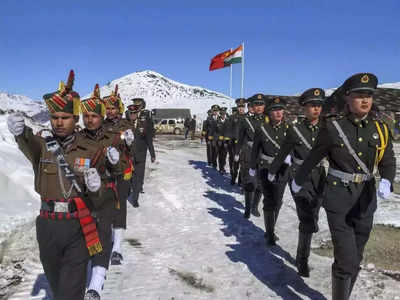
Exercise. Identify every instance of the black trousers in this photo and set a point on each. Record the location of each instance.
(230, 148)
(137, 180)
(350, 211)
(124, 187)
(222, 152)
(64, 257)
(105, 234)
(214, 153)
(309, 200)
(273, 192)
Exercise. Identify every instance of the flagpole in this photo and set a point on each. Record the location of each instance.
(230, 81)
(241, 90)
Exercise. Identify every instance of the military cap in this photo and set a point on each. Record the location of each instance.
(209, 112)
(360, 82)
(256, 99)
(215, 107)
(314, 95)
(64, 99)
(224, 109)
(240, 102)
(114, 100)
(137, 105)
(94, 103)
(275, 104)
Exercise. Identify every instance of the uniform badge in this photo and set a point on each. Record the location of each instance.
(375, 136)
(317, 93)
(277, 100)
(81, 164)
(259, 97)
(365, 79)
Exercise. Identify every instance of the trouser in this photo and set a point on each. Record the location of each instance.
(350, 209)
(230, 150)
(208, 145)
(64, 257)
(124, 188)
(104, 229)
(222, 152)
(214, 153)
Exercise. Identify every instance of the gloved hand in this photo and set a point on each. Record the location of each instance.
(236, 158)
(92, 180)
(16, 123)
(112, 155)
(295, 187)
(271, 177)
(288, 160)
(252, 172)
(384, 189)
(129, 137)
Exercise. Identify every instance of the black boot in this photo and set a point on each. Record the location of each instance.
(248, 199)
(353, 281)
(269, 222)
(303, 253)
(340, 287)
(256, 201)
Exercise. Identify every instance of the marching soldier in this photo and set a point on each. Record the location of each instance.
(230, 139)
(247, 130)
(204, 134)
(299, 140)
(357, 145)
(69, 187)
(267, 143)
(141, 119)
(213, 135)
(108, 158)
(122, 129)
(235, 121)
(221, 130)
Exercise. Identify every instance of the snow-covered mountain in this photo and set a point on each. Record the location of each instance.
(162, 92)
(30, 107)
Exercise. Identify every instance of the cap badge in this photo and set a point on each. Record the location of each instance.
(365, 79)
(277, 100)
(317, 93)
(259, 97)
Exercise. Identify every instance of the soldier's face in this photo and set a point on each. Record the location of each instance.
(276, 115)
(259, 109)
(112, 112)
(63, 124)
(312, 111)
(241, 110)
(359, 103)
(250, 109)
(92, 120)
(132, 116)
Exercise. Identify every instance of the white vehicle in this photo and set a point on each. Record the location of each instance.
(171, 126)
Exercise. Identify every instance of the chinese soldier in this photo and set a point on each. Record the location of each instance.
(213, 135)
(235, 121)
(357, 146)
(300, 138)
(267, 144)
(204, 134)
(69, 188)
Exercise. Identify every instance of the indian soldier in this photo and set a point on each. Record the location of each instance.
(299, 140)
(246, 134)
(122, 129)
(204, 134)
(235, 121)
(69, 188)
(221, 145)
(213, 135)
(93, 112)
(357, 145)
(141, 120)
(267, 144)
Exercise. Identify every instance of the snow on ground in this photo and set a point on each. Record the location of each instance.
(189, 240)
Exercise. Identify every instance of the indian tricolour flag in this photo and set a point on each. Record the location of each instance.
(235, 57)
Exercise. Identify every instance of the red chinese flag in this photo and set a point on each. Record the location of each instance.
(217, 62)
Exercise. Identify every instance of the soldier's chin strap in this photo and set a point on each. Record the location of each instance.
(88, 225)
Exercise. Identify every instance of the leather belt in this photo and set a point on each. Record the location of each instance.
(349, 177)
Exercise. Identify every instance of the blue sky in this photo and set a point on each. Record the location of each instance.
(289, 45)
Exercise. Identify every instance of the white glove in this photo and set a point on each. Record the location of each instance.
(252, 172)
(92, 180)
(384, 188)
(271, 177)
(112, 155)
(236, 158)
(16, 123)
(288, 160)
(295, 187)
(129, 137)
